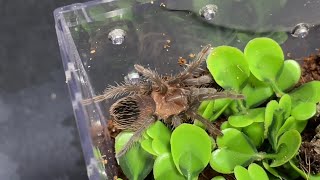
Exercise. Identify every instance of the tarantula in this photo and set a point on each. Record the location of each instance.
(173, 100)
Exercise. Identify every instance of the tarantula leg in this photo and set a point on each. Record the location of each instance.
(136, 136)
(192, 66)
(205, 79)
(176, 121)
(219, 95)
(115, 91)
(213, 130)
(153, 76)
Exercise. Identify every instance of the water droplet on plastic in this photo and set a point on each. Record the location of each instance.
(301, 30)
(133, 77)
(208, 12)
(117, 36)
(53, 96)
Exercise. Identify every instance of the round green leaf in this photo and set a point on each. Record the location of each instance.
(287, 147)
(160, 147)
(235, 140)
(241, 173)
(285, 104)
(225, 125)
(304, 111)
(265, 58)
(136, 163)
(228, 67)
(158, 141)
(301, 125)
(308, 92)
(255, 133)
(218, 178)
(254, 172)
(289, 76)
(191, 149)
(235, 148)
(289, 124)
(164, 168)
(224, 160)
(252, 115)
(256, 92)
(277, 121)
(159, 130)
(190, 165)
(257, 172)
(146, 144)
(272, 106)
(314, 177)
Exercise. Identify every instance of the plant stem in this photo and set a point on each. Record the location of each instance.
(243, 109)
(209, 110)
(216, 115)
(303, 174)
(276, 89)
(207, 113)
(263, 155)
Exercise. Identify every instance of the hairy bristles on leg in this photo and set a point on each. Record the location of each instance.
(122, 89)
(192, 66)
(136, 136)
(176, 121)
(213, 130)
(200, 58)
(205, 79)
(116, 91)
(200, 91)
(219, 95)
(96, 99)
(153, 76)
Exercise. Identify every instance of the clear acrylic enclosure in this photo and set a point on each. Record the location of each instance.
(101, 40)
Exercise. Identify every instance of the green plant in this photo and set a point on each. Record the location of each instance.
(182, 154)
(101, 166)
(253, 172)
(136, 163)
(263, 128)
(250, 124)
(191, 148)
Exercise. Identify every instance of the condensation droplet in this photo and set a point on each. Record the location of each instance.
(208, 12)
(133, 77)
(117, 36)
(301, 30)
(53, 96)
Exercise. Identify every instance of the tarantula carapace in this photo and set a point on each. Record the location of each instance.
(174, 100)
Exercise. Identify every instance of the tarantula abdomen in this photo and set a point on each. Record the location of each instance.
(129, 112)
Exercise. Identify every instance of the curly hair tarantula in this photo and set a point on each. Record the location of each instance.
(174, 100)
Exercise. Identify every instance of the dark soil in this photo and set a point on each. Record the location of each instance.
(309, 153)
(103, 139)
(310, 68)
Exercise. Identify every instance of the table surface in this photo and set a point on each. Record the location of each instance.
(38, 134)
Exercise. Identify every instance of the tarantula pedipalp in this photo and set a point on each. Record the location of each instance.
(174, 100)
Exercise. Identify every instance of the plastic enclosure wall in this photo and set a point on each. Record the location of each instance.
(187, 32)
(75, 76)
